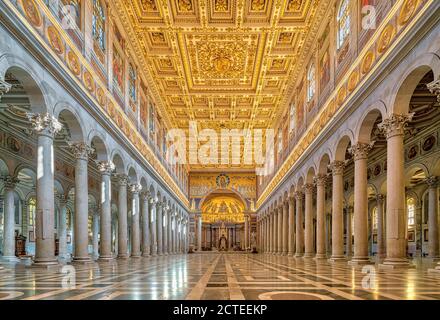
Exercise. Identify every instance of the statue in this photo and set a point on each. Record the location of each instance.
(254, 242)
(223, 243)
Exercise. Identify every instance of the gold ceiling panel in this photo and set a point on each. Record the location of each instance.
(224, 63)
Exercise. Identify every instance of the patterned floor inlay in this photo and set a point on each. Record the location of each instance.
(215, 276)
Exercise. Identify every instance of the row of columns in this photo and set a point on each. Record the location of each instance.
(150, 217)
(282, 228)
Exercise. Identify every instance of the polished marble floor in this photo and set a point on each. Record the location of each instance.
(213, 276)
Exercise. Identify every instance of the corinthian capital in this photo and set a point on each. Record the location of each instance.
(122, 179)
(434, 88)
(135, 187)
(81, 150)
(44, 123)
(432, 181)
(105, 167)
(308, 188)
(360, 150)
(10, 182)
(153, 200)
(298, 195)
(395, 124)
(4, 87)
(337, 167)
(320, 180)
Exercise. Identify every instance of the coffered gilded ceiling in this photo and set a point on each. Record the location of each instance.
(223, 63)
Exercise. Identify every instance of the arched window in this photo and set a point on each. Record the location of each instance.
(292, 116)
(132, 82)
(343, 22)
(98, 24)
(411, 207)
(374, 218)
(311, 82)
(280, 140)
(32, 207)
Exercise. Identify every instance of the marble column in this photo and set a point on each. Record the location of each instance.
(159, 224)
(285, 227)
(348, 215)
(199, 233)
(337, 168)
(106, 168)
(320, 180)
(95, 231)
(81, 151)
(165, 222)
(394, 129)
(62, 228)
(122, 217)
(135, 228)
(360, 155)
(170, 231)
(299, 224)
(308, 232)
(9, 220)
(246, 228)
(270, 232)
(291, 235)
(145, 225)
(279, 229)
(433, 235)
(153, 226)
(46, 126)
(380, 227)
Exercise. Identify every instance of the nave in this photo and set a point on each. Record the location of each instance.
(218, 276)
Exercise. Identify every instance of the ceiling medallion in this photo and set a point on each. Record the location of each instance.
(32, 13)
(221, 5)
(407, 11)
(149, 5)
(258, 5)
(184, 5)
(222, 60)
(294, 5)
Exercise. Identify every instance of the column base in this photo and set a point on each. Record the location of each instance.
(291, 254)
(309, 255)
(82, 260)
(105, 258)
(9, 259)
(44, 264)
(337, 259)
(320, 256)
(145, 255)
(135, 255)
(123, 256)
(359, 261)
(299, 255)
(395, 263)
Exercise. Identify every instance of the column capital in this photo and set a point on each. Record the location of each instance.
(44, 123)
(135, 188)
(337, 167)
(122, 179)
(432, 181)
(360, 150)
(308, 188)
(380, 198)
(81, 150)
(146, 195)
(4, 87)
(299, 195)
(153, 200)
(62, 199)
(320, 180)
(105, 167)
(395, 124)
(10, 182)
(434, 88)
